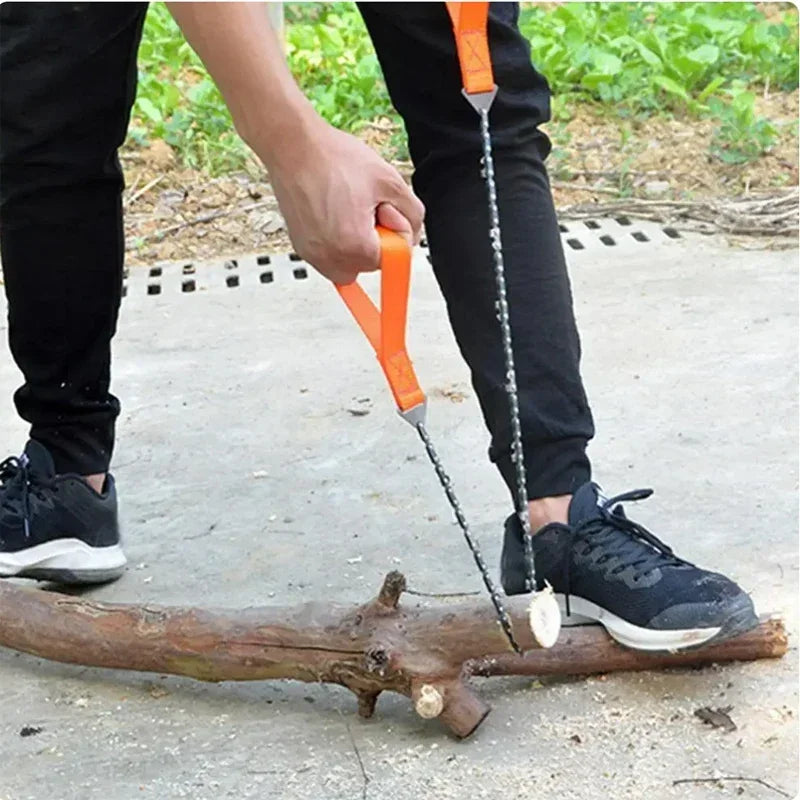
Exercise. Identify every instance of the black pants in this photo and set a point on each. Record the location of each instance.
(67, 82)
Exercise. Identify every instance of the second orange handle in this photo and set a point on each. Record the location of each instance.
(386, 329)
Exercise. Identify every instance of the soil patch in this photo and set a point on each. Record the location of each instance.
(176, 213)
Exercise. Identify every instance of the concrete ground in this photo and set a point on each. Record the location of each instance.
(249, 474)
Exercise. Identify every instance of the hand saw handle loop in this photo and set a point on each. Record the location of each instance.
(470, 21)
(386, 329)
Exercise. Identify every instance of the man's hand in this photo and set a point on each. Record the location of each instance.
(332, 188)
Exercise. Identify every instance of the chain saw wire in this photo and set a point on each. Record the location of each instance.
(447, 484)
(517, 455)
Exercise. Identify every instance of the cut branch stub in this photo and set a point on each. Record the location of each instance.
(394, 584)
(376, 647)
(428, 700)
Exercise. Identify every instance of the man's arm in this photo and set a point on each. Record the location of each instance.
(331, 187)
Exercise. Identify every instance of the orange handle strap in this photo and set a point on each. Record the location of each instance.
(386, 329)
(469, 25)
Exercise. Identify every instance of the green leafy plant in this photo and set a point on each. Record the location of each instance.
(334, 62)
(659, 56)
(629, 59)
(178, 102)
(741, 135)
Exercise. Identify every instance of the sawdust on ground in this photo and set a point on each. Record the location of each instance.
(176, 213)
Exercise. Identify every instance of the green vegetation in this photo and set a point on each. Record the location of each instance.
(684, 59)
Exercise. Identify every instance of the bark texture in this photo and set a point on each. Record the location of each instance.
(425, 653)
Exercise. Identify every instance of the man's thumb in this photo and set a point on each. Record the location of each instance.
(388, 216)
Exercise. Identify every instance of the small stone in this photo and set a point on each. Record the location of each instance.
(656, 188)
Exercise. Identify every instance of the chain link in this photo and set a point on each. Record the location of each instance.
(447, 484)
(517, 456)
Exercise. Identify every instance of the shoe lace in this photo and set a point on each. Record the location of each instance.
(19, 483)
(637, 547)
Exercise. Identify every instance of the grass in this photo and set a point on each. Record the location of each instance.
(642, 59)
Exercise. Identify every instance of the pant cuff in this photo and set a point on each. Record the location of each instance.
(74, 451)
(551, 468)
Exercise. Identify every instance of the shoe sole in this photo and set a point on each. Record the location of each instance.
(741, 618)
(64, 561)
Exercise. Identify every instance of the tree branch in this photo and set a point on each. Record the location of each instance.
(426, 653)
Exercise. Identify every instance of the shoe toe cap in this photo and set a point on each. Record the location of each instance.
(716, 603)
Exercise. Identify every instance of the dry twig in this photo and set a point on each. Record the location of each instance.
(199, 220)
(146, 188)
(772, 215)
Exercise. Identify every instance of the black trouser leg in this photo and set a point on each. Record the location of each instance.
(67, 83)
(416, 49)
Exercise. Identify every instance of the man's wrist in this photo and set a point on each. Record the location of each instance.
(280, 135)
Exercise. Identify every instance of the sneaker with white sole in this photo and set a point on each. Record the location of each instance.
(56, 527)
(606, 568)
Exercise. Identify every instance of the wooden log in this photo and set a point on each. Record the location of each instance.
(427, 654)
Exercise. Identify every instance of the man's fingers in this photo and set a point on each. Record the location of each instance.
(408, 204)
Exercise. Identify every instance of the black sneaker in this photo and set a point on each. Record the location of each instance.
(604, 567)
(56, 527)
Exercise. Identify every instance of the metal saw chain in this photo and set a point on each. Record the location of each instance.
(501, 301)
(447, 484)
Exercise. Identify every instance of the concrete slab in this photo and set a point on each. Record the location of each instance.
(245, 476)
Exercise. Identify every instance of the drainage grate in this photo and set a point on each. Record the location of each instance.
(582, 240)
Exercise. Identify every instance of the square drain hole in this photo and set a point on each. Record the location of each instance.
(575, 244)
(640, 237)
(155, 272)
(263, 261)
(591, 224)
(231, 264)
(300, 273)
(153, 288)
(124, 290)
(294, 257)
(672, 233)
(188, 286)
(232, 281)
(607, 240)
(622, 221)
(266, 277)
(188, 269)
(563, 228)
